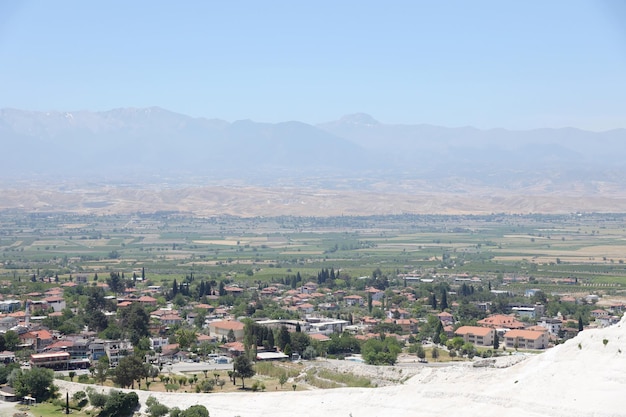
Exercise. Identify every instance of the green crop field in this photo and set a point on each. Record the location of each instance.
(591, 248)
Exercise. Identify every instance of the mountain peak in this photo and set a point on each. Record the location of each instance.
(362, 119)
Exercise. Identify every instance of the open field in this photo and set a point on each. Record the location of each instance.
(544, 248)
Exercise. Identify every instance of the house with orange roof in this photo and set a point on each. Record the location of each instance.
(36, 340)
(407, 325)
(353, 300)
(320, 337)
(501, 321)
(205, 338)
(221, 329)
(171, 319)
(305, 308)
(599, 313)
(399, 313)
(235, 291)
(56, 302)
(233, 349)
(376, 294)
(526, 339)
(478, 336)
(146, 300)
(445, 318)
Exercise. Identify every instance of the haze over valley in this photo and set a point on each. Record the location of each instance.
(152, 159)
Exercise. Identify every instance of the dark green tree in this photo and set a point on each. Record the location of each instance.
(496, 341)
(101, 369)
(11, 340)
(116, 283)
(134, 321)
(580, 324)
(119, 404)
(130, 369)
(195, 411)
(284, 338)
(244, 369)
(37, 382)
(444, 300)
(438, 332)
(299, 342)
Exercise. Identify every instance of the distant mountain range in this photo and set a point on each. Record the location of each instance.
(355, 151)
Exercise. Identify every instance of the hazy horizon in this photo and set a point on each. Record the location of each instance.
(485, 64)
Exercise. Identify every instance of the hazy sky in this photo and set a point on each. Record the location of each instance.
(513, 64)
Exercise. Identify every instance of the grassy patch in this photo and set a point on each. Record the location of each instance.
(275, 370)
(50, 410)
(347, 379)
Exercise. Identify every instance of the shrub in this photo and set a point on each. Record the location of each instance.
(155, 408)
(119, 404)
(258, 386)
(96, 399)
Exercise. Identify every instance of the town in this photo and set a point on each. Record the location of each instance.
(228, 303)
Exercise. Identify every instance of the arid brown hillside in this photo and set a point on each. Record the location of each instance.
(255, 201)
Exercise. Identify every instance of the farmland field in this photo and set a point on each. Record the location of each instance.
(590, 248)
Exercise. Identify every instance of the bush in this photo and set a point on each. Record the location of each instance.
(79, 395)
(206, 385)
(155, 408)
(119, 404)
(83, 378)
(96, 399)
(258, 386)
(172, 387)
(194, 411)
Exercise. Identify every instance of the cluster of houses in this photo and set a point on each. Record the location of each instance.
(317, 307)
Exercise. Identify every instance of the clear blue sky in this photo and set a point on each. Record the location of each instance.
(512, 64)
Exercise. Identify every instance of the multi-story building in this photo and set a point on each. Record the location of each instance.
(478, 336)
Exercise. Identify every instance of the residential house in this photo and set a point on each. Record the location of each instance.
(220, 329)
(116, 350)
(51, 360)
(478, 336)
(445, 318)
(9, 306)
(36, 340)
(235, 291)
(599, 313)
(353, 300)
(501, 321)
(56, 302)
(376, 294)
(398, 313)
(233, 349)
(526, 339)
(157, 343)
(305, 308)
(96, 349)
(7, 323)
(552, 325)
(407, 325)
(147, 301)
(171, 319)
